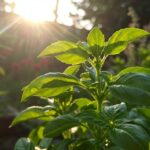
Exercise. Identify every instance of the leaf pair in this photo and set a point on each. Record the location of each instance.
(116, 43)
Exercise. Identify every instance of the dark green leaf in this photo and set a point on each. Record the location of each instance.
(120, 39)
(130, 94)
(133, 88)
(60, 124)
(115, 110)
(63, 145)
(24, 144)
(45, 143)
(96, 41)
(127, 137)
(133, 70)
(87, 144)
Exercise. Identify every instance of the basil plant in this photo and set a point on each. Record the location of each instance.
(88, 107)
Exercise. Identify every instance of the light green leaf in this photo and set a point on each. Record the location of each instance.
(96, 41)
(50, 84)
(2, 72)
(120, 39)
(73, 57)
(145, 112)
(66, 52)
(24, 144)
(82, 102)
(58, 47)
(60, 124)
(72, 69)
(32, 113)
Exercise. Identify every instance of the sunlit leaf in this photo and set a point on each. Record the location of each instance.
(50, 84)
(96, 41)
(32, 113)
(82, 102)
(58, 47)
(72, 69)
(66, 52)
(120, 39)
(73, 57)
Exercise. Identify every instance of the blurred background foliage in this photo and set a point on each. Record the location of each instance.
(22, 40)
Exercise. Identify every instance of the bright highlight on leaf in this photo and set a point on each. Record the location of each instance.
(66, 52)
(120, 39)
(96, 41)
(50, 84)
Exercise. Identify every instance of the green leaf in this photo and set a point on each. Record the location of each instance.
(132, 88)
(88, 144)
(32, 113)
(115, 111)
(145, 112)
(60, 124)
(73, 57)
(133, 70)
(2, 72)
(50, 84)
(63, 145)
(82, 102)
(127, 137)
(57, 48)
(66, 52)
(130, 94)
(45, 143)
(96, 41)
(72, 69)
(33, 136)
(24, 144)
(120, 39)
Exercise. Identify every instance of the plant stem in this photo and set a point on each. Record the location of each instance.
(99, 101)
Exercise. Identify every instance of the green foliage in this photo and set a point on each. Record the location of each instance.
(120, 39)
(24, 144)
(96, 41)
(79, 108)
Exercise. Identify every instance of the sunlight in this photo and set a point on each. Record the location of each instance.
(44, 10)
(35, 10)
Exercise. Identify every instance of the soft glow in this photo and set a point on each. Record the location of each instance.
(44, 10)
(35, 10)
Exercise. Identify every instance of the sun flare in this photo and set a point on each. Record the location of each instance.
(36, 10)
